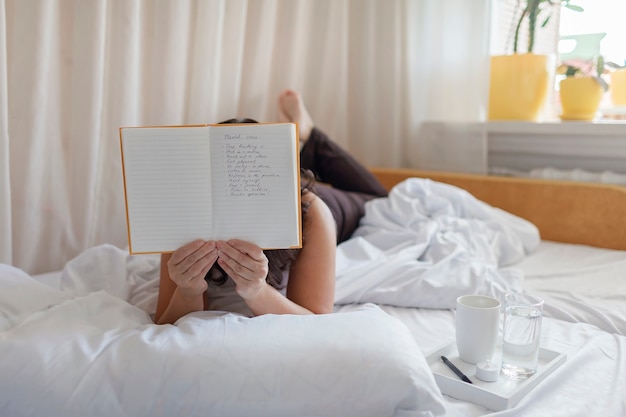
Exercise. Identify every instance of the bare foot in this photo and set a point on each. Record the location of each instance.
(291, 109)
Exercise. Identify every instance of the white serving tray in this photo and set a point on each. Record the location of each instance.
(497, 396)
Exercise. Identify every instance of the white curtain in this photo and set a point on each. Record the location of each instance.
(73, 71)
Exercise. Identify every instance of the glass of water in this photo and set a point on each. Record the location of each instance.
(521, 334)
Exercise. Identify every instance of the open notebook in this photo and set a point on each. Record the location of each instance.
(211, 182)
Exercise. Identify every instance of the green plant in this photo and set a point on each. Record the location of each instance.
(533, 10)
(586, 68)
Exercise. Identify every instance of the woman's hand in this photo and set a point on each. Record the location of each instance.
(189, 265)
(246, 264)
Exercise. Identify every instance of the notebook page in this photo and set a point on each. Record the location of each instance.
(168, 186)
(256, 184)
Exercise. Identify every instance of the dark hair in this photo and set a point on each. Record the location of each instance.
(237, 121)
(279, 260)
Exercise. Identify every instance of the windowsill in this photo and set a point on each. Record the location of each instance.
(603, 127)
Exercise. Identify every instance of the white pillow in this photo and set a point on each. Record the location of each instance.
(98, 356)
(358, 363)
(21, 295)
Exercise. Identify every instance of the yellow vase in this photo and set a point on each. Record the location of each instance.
(618, 87)
(580, 98)
(518, 86)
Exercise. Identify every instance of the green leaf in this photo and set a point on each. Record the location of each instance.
(574, 8)
(600, 65)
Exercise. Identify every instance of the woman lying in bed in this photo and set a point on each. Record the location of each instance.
(239, 276)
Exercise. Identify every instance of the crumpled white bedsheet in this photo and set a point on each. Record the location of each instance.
(579, 283)
(427, 244)
(132, 278)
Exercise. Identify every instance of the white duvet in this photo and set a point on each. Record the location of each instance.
(427, 244)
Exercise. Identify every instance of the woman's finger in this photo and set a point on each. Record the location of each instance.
(201, 266)
(234, 257)
(236, 276)
(184, 251)
(253, 251)
(242, 263)
(189, 267)
(233, 268)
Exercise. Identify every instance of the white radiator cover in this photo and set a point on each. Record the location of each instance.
(592, 150)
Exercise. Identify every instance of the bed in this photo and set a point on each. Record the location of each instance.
(81, 341)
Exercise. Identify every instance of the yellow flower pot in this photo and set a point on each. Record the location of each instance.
(618, 87)
(518, 86)
(580, 98)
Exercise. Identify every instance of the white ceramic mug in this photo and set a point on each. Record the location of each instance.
(477, 326)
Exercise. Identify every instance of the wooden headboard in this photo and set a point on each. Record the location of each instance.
(563, 211)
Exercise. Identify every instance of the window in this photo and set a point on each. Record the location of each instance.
(505, 15)
(600, 26)
(598, 30)
(602, 21)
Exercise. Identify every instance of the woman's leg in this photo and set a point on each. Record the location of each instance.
(351, 184)
(333, 165)
(329, 162)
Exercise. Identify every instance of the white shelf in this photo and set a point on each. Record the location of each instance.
(602, 127)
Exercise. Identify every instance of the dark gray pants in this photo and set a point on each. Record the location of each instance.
(351, 184)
